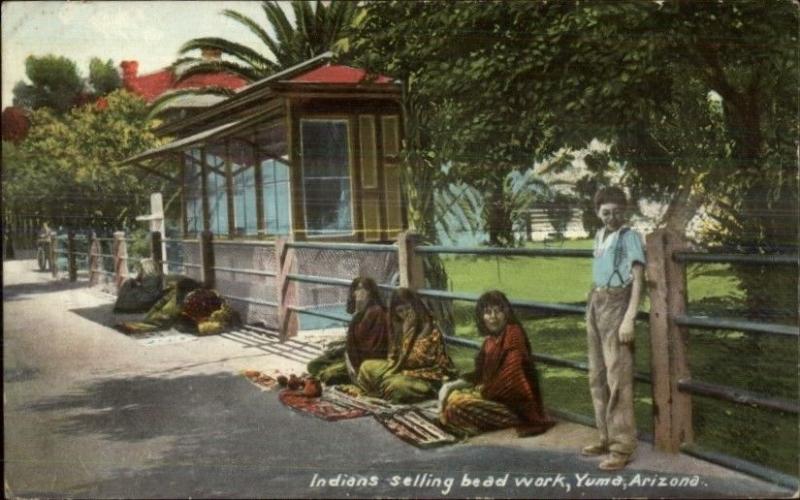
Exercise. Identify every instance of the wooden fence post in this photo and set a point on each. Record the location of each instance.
(207, 258)
(672, 410)
(53, 254)
(157, 251)
(120, 258)
(72, 265)
(94, 259)
(156, 220)
(411, 266)
(287, 289)
(679, 340)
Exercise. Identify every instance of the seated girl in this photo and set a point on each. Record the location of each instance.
(367, 336)
(503, 391)
(417, 362)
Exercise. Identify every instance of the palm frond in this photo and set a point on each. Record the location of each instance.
(250, 24)
(284, 32)
(457, 209)
(262, 34)
(233, 49)
(304, 20)
(202, 66)
(166, 100)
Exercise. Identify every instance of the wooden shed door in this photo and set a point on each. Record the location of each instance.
(370, 179)
(390, 134)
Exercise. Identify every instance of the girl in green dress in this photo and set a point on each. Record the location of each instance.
(417, 362)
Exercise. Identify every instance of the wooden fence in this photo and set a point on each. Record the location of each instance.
(669, 376)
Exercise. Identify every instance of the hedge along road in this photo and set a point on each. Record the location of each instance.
(90, 412)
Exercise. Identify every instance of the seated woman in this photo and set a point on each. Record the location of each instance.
(417, 362)
(503, 391)
(367, 336)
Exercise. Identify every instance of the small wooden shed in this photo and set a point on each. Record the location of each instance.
(312, 152)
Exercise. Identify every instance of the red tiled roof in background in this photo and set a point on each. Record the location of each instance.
(151, 86)
(337, 74)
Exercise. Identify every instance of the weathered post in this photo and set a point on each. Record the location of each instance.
(120, 258)
(207, 258)
(94, 260)
(287, 289)
(411, 266)
(672, 412)
(678, 340)
(72, 265)
(156, 251)
(53, 254)
(156, 220)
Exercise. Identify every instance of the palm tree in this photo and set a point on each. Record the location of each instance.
(318, 27)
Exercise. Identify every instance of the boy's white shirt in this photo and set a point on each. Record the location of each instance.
(601, 243)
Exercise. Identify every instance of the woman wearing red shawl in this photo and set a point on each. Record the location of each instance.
(367, 336)
(503, 391)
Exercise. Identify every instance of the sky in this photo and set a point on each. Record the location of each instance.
(148, 31)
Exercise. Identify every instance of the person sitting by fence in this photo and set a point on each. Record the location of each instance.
(417, 361)
(617, 275)
(503, 390)
(138, 294)
(188, 307)
(367, 336)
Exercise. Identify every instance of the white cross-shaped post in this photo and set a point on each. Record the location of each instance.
(156, 219)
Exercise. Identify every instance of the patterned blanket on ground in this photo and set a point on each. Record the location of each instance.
(415, 424)
(319, 407)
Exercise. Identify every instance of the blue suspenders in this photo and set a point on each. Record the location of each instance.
(619, 254)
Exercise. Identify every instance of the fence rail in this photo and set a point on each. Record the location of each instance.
(245, 271)
(507, 252)
(709, 323)
(739, 396)
(730, 258)
(362, 247)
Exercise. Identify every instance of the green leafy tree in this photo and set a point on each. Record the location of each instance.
(103, 77)
(697, 99)
(67, 170)
(55, 84)
(444, 55)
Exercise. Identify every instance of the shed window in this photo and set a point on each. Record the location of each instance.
(276, 196)
(244, 187)
(326, 177)
(217, 195)
(193, 195)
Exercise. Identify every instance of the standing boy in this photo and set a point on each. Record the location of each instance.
(617, 275)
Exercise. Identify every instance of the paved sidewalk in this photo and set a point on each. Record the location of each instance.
(90, 412)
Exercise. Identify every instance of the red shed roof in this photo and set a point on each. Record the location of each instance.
(338, 74)
(153, 85)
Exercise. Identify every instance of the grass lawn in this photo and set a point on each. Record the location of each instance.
(761, 364)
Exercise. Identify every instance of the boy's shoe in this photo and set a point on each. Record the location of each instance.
(616, 461)
(594, 450)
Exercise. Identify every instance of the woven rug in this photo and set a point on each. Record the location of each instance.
(415, 427)
(319, 407)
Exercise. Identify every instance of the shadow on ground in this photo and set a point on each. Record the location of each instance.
(232, 440)
(23, 291)
(104, 315)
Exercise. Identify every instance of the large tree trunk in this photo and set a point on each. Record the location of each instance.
(497, 213)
